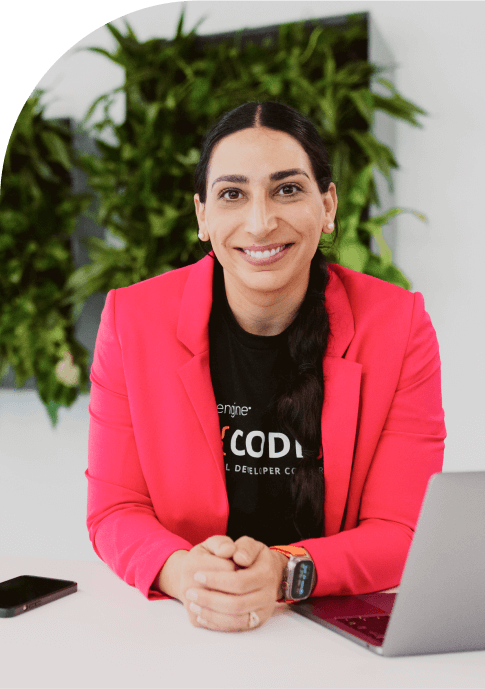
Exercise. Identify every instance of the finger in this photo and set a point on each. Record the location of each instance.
(239, 582)
(247, 551)
(200, 600)
(221, 546)
(231, 623)
(225, 612)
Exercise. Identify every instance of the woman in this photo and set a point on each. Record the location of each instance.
(322, 465)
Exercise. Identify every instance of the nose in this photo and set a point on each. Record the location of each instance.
(261, 218)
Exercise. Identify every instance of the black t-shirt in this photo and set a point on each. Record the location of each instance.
(259, 457)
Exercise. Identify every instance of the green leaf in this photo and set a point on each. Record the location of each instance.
(111, 56)
(57, 148)
(125, 42)
(43, 170)
(364, 102)
(396, 105)
(315, 35)
(389, 273)
(353, 256)
(94, 105)
(384, 249)
(374, 223)
(358, 194)
(378, 154)
(180, 25)
(191, 159)
(152, 112)
(158, 226)
(130, 30)
(80, 282)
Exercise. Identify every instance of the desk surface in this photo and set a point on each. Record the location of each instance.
(108, 635)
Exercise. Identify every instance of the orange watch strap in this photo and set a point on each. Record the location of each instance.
(295, 550)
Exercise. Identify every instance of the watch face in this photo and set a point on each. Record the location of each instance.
(302, 580)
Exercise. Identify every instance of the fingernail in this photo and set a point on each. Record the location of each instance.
(194, 607)
(243, 556)
(201, 578)
(200, 620)
(191, 594)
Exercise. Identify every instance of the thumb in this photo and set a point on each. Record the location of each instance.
(221, 546)
(247, 551)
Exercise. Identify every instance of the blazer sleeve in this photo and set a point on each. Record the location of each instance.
(123, 527)
(371, 556)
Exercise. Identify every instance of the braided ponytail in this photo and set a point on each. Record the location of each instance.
(299, 400)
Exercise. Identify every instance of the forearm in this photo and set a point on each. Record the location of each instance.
(368, 558)
(168, 579)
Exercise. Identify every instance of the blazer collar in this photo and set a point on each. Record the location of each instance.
(195, 308)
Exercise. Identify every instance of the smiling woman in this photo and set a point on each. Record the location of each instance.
(264, 231)
(263, 423)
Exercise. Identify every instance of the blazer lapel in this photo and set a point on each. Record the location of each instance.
(342, 383)
(341, 405)
(193, 332)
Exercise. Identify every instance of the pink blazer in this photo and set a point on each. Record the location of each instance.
(156, 480)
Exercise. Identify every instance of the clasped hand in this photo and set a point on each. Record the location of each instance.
(228, 585)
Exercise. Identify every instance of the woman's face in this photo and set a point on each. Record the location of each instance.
(264, 213)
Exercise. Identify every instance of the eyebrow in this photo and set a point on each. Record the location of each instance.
(275, 176)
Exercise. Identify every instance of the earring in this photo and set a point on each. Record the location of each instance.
(200, 235)
(330, 225)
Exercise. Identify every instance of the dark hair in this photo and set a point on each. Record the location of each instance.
(299, 398)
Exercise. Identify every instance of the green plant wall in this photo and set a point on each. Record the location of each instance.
(143, 177)
(38, 212)
(175, 90)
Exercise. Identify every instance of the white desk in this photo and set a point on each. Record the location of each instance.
(108, 635)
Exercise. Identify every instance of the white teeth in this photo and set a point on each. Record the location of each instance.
(264, 254)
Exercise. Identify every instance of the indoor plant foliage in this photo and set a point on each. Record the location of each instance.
(175, 90)
(143, 178)
(37, 215)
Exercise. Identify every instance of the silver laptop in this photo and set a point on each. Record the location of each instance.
(440, 605)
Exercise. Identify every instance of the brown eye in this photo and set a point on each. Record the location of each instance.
(292, 187)
(233, 192)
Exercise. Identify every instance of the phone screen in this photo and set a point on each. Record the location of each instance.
(26, 592)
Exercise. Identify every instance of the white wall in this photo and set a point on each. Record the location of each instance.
(439, 48)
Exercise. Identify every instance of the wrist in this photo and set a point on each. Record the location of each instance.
(281, 562)
(168, 579)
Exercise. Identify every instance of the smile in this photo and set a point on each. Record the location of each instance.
(264, 256)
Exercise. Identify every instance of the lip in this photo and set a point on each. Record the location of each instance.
(265, 261)
(268, 247)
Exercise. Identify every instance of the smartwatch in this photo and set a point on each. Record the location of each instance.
(299, 576)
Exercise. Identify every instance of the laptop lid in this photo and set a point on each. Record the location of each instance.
(440, 605)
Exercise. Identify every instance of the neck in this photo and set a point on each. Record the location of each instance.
(265, 313)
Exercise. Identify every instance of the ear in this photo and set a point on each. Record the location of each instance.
(200, 213)
(330, 202)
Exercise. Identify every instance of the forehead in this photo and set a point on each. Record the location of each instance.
(258, 149)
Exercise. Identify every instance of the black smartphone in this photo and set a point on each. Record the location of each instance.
(26, 592)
